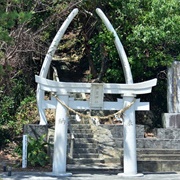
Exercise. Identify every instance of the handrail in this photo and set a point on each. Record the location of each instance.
(72, 140)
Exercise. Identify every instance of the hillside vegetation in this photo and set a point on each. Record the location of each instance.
(149, 31)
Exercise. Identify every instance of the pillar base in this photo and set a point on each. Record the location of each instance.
(130, 175)
(53, 174)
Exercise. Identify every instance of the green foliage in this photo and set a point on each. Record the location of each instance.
(37, 151)
(10, 18)
(14, 110)
(26, 113)
(150, 34)
(149, 31)
(6, 116)
(103, 49)
(7, 109)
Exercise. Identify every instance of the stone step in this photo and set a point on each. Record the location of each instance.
(93, 161)
(82, 131)
(158, 151)
(97, 168)
(156, 157)
(85, 155)
(162, 133)
(85, 145)
(77, 126)
(76, 136)
(152, 143)
(113, 161)
(158, 166)
(85, 150)
(158, 143)
(80, 135)
(84, 140)
(85, 161)
(81, 126)
(73, 120)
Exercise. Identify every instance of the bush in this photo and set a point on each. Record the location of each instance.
(37, 152)
(15, 108)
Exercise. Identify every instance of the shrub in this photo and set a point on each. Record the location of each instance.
(37, 151)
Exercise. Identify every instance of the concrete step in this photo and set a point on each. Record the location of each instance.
(159, 166)
(80, 135)
(152, 143)
(158, 151)
(85, 161)
(102, 168)
(86, 150)
(85, 155)
(113, 161)
(157, 157)
(85, 145)
(81, 126)
(84, 140)
(158, 143)
(94, 161)
(82, 131)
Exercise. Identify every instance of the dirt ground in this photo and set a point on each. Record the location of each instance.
(9, 158)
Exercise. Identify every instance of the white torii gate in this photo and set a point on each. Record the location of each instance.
(96, 90)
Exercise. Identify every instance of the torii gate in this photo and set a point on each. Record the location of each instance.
(97, 90)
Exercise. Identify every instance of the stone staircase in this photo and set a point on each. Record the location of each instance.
(85, 149)
(163, 151)
(159, 154)
(161, 160)
(92, 147)
(102, 146)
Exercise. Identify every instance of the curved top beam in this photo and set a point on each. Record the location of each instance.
(47, 61)
(55, 42)
(119, 47)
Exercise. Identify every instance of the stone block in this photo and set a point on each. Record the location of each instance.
(153, 143)
(117, 130)
(171, 120)
(158, 166)
(173, 88)
(169, 133)
(35, 130)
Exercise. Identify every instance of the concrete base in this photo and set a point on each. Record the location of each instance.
(171, 120)
(65, 174)
(130, 175)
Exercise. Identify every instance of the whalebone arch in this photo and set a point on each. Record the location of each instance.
(61, 90)
(64, 87)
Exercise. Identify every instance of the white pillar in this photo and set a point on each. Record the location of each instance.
(129, 140)
(60, 138)
(24, 155)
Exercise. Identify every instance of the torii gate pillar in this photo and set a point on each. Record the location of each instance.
(129, 140)
(60, 138)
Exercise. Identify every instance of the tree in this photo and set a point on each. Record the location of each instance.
(149, 31)
(25, 30)
(150, 34)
